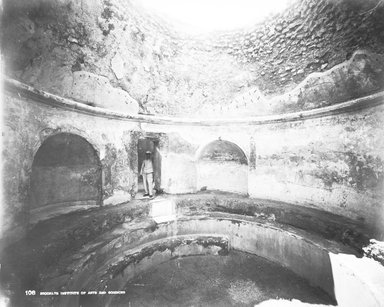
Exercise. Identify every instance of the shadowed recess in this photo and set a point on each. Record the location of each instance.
(66, 168)
(223, 151)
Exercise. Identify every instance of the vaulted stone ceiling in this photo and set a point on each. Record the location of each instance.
(113, 54)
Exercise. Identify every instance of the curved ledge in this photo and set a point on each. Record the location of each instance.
(125, 256)
(68, 104)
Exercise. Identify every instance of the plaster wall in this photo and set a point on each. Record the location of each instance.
(223, 176)
(179, 173)
(28, 123)
(333, 163)
(62, 184)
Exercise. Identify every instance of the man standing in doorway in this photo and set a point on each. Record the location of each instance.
(147, 173)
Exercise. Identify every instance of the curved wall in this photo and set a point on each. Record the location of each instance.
(28, 123)
(115, 55)
(330, 160)
(310, 36)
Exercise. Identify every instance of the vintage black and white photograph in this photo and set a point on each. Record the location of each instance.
(192, 153)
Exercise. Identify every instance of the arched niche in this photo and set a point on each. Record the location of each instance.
(222, 165)
(66, 170)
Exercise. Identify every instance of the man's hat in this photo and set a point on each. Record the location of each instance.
(148, 152)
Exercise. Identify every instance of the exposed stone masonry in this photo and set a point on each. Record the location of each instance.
(311, 36)
(138, 62)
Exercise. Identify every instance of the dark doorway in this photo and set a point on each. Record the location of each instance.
(152, 145)
(65, 169)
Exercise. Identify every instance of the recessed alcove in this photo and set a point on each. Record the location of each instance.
(222, 165)
(65, 170)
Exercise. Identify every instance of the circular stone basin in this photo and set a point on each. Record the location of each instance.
(206, 261)
(213, 259)
(237, 279)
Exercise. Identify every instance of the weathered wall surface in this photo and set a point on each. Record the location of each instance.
(93, 50)
(334, 163)
(179, 173)
(360, 75)
(222, 176)
(311, 36)
(28, 123)
(64, 185)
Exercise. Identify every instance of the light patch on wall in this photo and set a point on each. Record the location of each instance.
(2, 133)
(202, 16)
(163, 210)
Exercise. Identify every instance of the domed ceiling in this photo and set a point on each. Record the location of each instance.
(119, 53)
